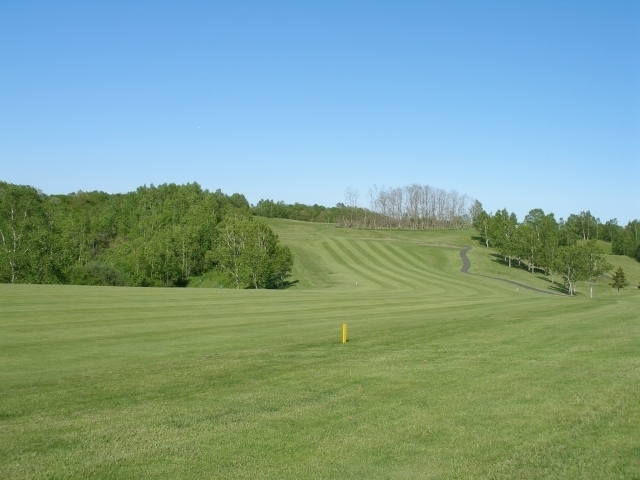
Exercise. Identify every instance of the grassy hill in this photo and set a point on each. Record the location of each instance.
(446, 375)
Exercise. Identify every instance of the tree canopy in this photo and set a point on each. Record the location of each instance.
(155, 236)
(554, 247)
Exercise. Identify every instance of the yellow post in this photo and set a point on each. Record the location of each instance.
(344, 333)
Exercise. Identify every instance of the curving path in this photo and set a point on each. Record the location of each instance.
(466, 265)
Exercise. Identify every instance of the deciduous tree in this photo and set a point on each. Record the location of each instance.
(570, 264)
(595, 264)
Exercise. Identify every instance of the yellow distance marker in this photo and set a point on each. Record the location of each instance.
(344, 333)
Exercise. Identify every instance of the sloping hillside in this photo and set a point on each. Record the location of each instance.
(426, 261)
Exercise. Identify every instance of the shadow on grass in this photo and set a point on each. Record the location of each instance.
(514, 263)
(283, 286)
(288, 284)
(479, 239)
(556, 287)
(538, 273)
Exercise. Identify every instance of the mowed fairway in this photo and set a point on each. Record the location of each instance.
(446, 375)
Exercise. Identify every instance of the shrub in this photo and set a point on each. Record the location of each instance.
(95, 273)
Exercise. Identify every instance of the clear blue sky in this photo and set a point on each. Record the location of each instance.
(518, 104)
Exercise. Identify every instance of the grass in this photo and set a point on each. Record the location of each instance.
(445, 375)
(604, 246)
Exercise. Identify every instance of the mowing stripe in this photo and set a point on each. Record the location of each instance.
(355, 270)
(365, 265)
(437, 275)
(435, 279)
(399, 273)
(432, 282)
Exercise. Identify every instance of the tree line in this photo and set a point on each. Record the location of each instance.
(558, 248)
(624, 240)
(298, 211)
(154, 236)
(416, 207)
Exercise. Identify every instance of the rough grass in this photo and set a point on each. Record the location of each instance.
(445, 375)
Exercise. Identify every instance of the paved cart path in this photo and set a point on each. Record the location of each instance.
(466, 265)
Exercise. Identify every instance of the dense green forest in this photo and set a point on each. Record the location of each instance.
(162, 236)
(568, 248)
(155, 236)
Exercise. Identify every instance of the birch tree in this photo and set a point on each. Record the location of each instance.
(250, 253)
(230, 247)
(25, 250)
(571, 266)
(482, 222)
(595, 264)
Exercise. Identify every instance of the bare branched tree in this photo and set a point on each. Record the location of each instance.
(413, 207)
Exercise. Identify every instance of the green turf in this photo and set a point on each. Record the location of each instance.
(604, 246)
(445, 375)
